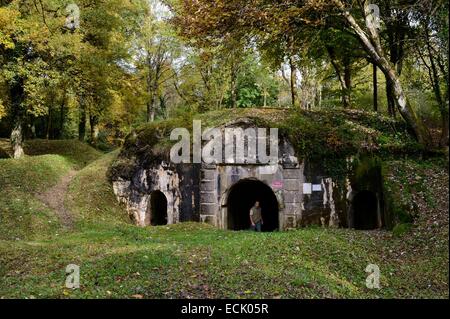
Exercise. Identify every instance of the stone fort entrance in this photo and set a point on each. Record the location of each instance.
(293, 193)
(242, 196)
(157, 209)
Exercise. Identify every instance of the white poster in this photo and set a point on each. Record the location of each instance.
(307, 188)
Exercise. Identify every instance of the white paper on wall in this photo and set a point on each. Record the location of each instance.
(307, 188)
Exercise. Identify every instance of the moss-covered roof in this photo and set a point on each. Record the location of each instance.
(314, 134)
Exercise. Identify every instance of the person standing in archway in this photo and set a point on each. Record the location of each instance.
(256, 217)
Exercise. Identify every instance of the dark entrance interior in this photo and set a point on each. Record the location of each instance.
(365, 211)
(158, 209)
(242, 197)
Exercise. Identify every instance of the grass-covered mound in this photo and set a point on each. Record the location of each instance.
(91, 196)
(416, 194)
(78, 153)
(314, 134)
(22, 215)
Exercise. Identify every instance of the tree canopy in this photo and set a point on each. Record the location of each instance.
(96, 70)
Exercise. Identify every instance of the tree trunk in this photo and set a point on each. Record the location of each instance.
(395, 25)
(220, 102)
(82, 122)
(17, 139)
(49, 123)
(153, 88)
(445, 129)
(61, 121)
(154, 73)
(62, 116)
(33, 129)
(319, 96)
(344, 80)
(93, 122)
(17, 96)
(293, 81)
(404, 107)
(348, 83)
(443, 105)
(375, 88)
(390, 98)
(372, 46)
(151, 110)
(233, 85)
(265, 94)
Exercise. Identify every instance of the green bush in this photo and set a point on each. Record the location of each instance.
(401, 229)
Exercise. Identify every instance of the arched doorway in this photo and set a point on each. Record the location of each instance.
(242, 196)
(365, 211)
(157, 210)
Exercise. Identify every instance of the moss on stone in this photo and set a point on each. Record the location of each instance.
(333, 134)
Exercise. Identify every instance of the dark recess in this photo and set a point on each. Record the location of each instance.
(242, 197)
(158, 207)
(365, 213)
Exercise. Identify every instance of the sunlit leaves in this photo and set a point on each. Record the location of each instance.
(8, 19)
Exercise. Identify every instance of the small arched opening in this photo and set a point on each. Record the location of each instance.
(157, 209)
(241, 198)
(365, 211)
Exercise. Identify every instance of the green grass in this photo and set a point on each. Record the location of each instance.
(193, 260)
(119, 260)
(92, 197)
(410, 177)
(22, 215)
(313, 133)
(77, 153)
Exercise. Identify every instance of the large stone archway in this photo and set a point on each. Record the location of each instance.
(241, 196)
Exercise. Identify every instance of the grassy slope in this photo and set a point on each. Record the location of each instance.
(194, 260)
(91, 196)
(22, 215)
(77, 153)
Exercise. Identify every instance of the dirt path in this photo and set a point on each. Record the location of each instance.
(54, 199)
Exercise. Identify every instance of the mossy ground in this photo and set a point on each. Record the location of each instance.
(320, 132)
(334, 134)
(119, 260)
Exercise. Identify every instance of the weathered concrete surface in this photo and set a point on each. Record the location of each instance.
(198, 192)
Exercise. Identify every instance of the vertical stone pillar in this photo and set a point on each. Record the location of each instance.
(209, 206)
(292, 193)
